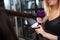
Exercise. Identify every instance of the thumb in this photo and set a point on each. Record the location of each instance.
(39, 26)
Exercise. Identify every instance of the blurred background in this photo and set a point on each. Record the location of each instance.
(22, 25)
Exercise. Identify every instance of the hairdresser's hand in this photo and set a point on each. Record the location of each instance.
(45, 34)
(39, 20)
(40, 30)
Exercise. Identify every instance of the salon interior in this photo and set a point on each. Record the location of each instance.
(23, 15)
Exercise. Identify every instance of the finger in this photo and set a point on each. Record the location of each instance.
(37, 31)
(39, 26)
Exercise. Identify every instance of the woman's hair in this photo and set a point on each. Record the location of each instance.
(47, 9)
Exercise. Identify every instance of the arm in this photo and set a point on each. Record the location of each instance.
(50, 36)
(45, 34)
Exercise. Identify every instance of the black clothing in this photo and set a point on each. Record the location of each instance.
(53, 27)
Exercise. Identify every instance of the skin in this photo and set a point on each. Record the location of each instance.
(52, 15)
(39, 20)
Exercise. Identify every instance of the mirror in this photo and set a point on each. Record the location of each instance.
(23, 5)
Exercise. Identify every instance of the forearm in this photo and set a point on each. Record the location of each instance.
(50, 36)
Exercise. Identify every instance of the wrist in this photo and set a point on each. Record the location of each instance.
(44, 34)
(49, 36)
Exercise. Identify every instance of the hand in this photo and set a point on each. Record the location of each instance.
(39, 20)
(40, 30)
